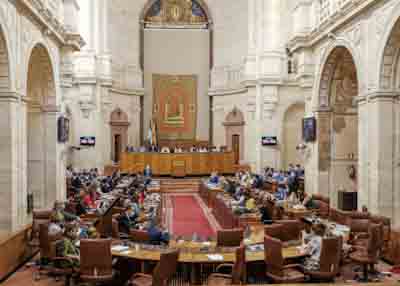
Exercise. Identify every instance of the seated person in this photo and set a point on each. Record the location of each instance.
(147, 171)
(309, 202)
(81, 207)
(241, 202)
(128, 219)
(62, 214)
(68, 248)
(250, 203)
(193, 149)
(214, 179)
(56, 227)
(156, 234)
(230, 187)
(313, 248)
(307, 234)
(165, 149)
(257, 182)
(281, 193)
(265, 216)
(89, 200)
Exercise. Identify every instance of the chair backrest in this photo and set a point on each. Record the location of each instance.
(291, 230)
(140, 236)
(44, 241)
(229, 237)
(165, 268)
(238, 271)
(41, 216)
(274, 230)
(373, 247)
(386, 225)
(273, 255)
(95, 258)
(115, 229)
(330, 254)
(359, 225)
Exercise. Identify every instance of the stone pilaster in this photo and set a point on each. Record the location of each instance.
(382, 110)
(8, 163)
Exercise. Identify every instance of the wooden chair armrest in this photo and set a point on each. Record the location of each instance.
(357, 247)
(225, 265)
(297, 266)
(361, 236)
(73, 257)
(137, 275)
(219, 275)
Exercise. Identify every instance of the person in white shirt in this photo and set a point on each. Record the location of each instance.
(313, 248)
(165, 149)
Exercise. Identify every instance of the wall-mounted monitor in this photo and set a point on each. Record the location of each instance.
(63, 129)
(309, 129)
(269, 140)
(88, 141)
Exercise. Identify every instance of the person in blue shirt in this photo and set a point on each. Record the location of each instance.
(214, 179)
(157, 235)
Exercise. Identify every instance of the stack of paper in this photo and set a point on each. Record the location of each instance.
(119, 248)
(215, 257)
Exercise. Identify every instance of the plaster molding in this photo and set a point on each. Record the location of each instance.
(130, 92)
(50, 23)
(337, 20)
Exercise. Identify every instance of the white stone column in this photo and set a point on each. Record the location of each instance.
(363, 154)
(8, 164)
(381, 139)
(53, 188)
(258, 74)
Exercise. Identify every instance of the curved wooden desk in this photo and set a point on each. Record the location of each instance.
(291, 252)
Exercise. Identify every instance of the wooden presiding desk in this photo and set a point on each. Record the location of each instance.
(179, 164)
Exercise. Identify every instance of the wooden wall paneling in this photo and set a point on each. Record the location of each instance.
(204, 163)
(155, 164)
(165, 164)
(14, 251)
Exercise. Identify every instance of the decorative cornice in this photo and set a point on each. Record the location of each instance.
(131, 92)
(50, 23)
(336, 20)
(224, 92)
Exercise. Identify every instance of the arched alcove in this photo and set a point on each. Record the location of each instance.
(292, 134)
(119, 125)
(234, 133)
(184, 29)
(4, 65)
(389, 78)
(41, 128)
(338, 124)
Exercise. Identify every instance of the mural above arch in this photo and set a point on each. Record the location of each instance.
(176, 12)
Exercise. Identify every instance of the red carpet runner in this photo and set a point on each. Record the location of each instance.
(189, 218)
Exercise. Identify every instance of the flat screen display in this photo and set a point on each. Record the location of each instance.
(88, 141)
(309, 129)
(269, 140)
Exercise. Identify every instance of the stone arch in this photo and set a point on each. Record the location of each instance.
(5, 82)
(41, 127)
(292, 134)
(389, 55)
(150, 4)
(234, 133)
(338, 121)
(119, 124)
(329, 65)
